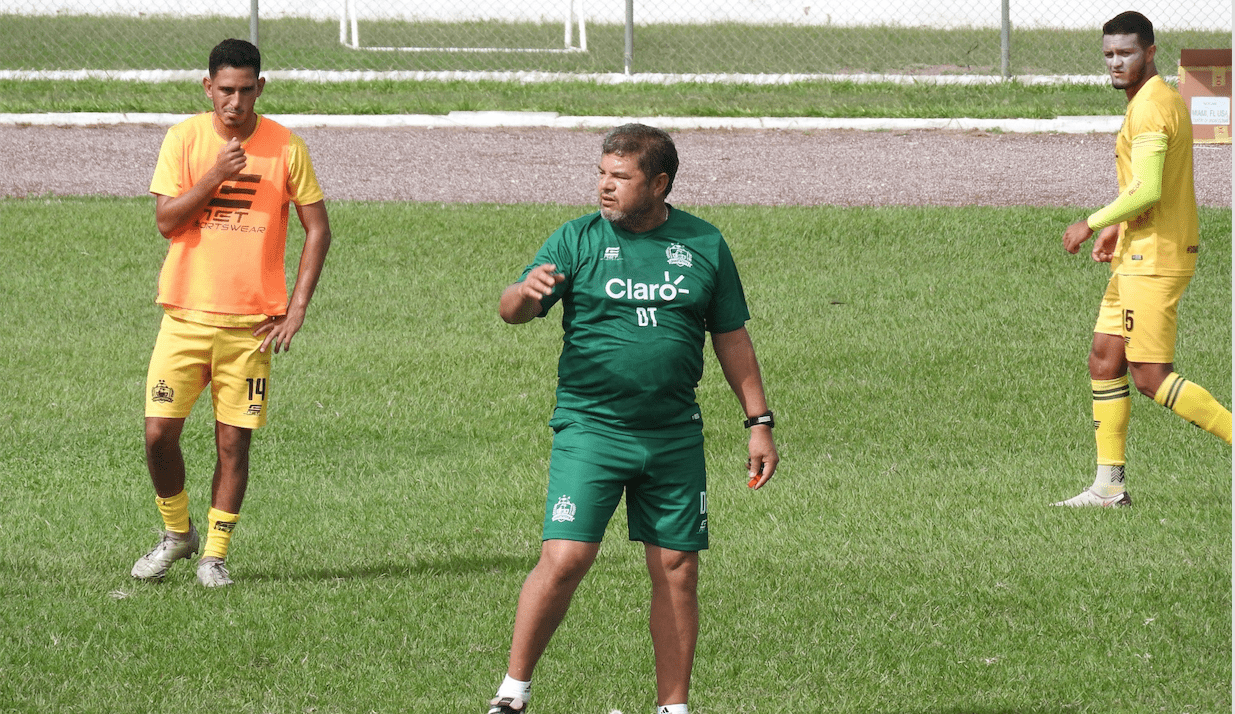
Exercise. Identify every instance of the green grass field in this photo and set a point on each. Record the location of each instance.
(801, 99)
(927, 366)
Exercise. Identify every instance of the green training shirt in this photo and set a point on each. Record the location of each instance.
(635, 307)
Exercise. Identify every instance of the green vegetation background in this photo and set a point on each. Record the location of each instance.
(160, 42)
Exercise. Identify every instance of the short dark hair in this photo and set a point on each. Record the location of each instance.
(654, 147)
(1131, 23)
(235, 53)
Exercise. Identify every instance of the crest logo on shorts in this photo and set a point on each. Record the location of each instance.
(678, 255)
(254, 410)
(162, 393)
(563, 510)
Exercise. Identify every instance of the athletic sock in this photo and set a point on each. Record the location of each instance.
(514, 688)
(1190, 401)
(219, 537)
(671, 709)
(175, 512)
(1109, 481)
(1112, 409)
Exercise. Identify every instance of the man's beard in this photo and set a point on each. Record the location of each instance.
(1128, 80)
(626, 219)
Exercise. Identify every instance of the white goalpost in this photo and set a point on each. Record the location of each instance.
(349, 35)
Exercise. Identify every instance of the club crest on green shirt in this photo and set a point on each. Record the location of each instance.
(678, 255)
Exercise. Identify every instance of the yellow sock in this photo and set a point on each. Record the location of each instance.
(1190, 401)
(1112, 409)
(175, 512)
(219, 537)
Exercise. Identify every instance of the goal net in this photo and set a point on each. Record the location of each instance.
(349, 34)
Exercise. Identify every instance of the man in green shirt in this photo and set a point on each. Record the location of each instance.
(640, 284)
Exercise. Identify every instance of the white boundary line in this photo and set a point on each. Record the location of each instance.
(174, 75)
(1069, 125)
(1063, 125)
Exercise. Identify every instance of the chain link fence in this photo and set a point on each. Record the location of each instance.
(764, 37)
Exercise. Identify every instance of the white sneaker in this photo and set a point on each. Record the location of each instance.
(1089, 498)
(172, 547)
(212, 572)
(507, 705)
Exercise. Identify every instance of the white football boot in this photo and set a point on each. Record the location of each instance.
(212, 572)
(172, 547)
(507, 705)
(1089, 498)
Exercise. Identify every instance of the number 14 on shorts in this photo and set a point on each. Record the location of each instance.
(257, 389)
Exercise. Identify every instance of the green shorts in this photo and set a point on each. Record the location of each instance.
(664, 479)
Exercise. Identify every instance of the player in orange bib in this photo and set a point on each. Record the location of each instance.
(222, 187)
(1150, 236)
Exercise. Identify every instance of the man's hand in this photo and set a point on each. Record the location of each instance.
(540, 282)
(1104, 245)
(1076, 234)
(761, 465)
(520, 302)
(231, 161)
(280, 331)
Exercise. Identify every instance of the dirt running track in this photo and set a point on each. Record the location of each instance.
(522, 165)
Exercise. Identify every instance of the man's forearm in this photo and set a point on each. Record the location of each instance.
(317, 239)
(173, 213)
(736, 354)
(309, 272)
(1145, 188)
(515, 308)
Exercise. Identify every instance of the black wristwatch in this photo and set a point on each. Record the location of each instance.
(767, 418)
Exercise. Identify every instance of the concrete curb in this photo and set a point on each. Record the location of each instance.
(531, 77)
(1063, 125)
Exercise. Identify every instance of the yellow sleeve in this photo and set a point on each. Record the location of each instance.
(301, 178)
(168, 179)
(1145, 188)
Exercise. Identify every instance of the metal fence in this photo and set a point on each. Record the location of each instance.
(764, 37)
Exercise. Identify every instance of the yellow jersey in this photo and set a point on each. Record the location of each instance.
(1162, 240)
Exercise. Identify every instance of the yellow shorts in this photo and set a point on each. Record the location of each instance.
(188, 356)
(1143, 310)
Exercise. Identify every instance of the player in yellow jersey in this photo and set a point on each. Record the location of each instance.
(222, 187)
(1150, 236)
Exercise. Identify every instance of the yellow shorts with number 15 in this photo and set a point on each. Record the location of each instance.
(188, 356)
(1143, 310)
